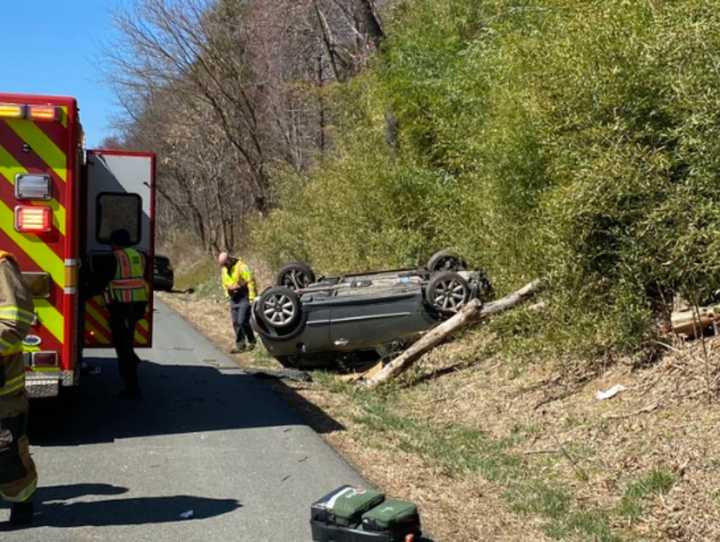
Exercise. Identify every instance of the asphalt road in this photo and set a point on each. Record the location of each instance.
(206, 440)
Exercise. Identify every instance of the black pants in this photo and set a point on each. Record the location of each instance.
(240, 313)
(123, 319)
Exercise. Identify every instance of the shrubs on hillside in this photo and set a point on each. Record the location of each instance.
(573, 140)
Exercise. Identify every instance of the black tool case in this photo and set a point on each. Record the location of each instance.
(351, 515)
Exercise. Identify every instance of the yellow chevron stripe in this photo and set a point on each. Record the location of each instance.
(106, 326)
(41, 144)
(50, 318)
(33, 246)
(64, 119)
(99, 318)
(99, 336)
(9, 168)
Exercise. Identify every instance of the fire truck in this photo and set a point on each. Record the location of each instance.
(59, 204)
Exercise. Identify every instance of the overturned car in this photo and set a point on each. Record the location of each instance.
(304, 322)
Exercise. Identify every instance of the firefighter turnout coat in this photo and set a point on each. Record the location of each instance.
(18, 478)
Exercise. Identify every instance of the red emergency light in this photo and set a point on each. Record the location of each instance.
(33, 219)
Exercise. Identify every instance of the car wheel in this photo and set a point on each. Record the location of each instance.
(446, 260)
(447, 292)
(279, 308)
(295, 276)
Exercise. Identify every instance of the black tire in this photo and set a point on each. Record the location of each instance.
(446, 260)
(279, 308)
(295, 276)
(447, 292)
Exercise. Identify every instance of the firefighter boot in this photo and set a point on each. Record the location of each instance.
(21, 513)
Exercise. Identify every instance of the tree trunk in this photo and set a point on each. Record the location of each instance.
(473, 312)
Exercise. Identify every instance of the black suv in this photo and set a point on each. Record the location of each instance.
(163, 275)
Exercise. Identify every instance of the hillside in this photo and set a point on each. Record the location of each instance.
(496, 448)
(573, 141)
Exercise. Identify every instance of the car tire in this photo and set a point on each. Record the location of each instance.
(447, 292)
(279, 308)
(295, 276)
(446, 260)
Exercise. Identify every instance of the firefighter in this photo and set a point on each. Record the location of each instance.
(127, 297)
(18, 478)
(239, 285)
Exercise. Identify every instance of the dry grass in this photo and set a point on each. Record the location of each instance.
(495, 450)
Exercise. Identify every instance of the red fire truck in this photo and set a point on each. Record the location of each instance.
(59, 203)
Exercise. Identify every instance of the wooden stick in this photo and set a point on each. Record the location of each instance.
(473, 312)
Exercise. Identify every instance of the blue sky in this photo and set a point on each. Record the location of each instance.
(55, 47)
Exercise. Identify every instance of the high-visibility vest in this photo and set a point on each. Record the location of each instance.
(129, 284)
(239, 274)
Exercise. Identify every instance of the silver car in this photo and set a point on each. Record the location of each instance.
(304, 322)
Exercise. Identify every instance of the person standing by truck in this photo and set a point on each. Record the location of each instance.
(127, 297)
(239, 285)
(18, 477)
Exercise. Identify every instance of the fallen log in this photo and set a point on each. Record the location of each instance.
(473, 312)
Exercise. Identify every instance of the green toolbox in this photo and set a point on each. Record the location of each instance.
(396, 518)
(349, 514)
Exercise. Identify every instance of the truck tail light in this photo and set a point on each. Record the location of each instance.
(46, 113)
(42, 360)
(33, 219)
(12, 111)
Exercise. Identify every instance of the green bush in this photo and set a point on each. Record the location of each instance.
(577, 141)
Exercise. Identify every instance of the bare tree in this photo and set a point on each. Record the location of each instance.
(225, 90)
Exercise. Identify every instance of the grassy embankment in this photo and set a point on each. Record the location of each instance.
(575, 141)
(493, 447)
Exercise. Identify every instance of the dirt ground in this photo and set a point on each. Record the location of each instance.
(494, 450)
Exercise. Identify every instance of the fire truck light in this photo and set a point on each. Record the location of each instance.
(44, 359)
(32, 186)
(33, 219)
(12, 111)
(44, 112)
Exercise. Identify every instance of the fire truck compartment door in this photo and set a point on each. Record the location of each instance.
(119, 196)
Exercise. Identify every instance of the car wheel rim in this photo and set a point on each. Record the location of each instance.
(295, 280)
(279, 310)
(450, 295)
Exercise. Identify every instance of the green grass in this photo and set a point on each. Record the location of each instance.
(527, 489)
(202, 276)
(462, 450)
(656, 482)
(262, 358)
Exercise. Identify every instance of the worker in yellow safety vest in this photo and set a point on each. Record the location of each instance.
(239, 285)
(18, 478)
(127, 297)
